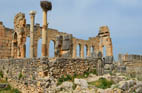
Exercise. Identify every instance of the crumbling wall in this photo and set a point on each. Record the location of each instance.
(35, 75)
(5, 41)
(129, 58)
(131, 65)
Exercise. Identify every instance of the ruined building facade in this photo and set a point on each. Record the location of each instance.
(12, 41)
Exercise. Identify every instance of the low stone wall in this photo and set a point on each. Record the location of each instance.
(134, 70)
(36, 75)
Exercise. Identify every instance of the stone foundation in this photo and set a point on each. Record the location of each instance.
(36, 75)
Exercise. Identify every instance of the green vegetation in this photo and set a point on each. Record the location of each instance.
(74, 86)
(71, 78)
(102, 83)
(1, 74)
(20, 76)
(8, 89)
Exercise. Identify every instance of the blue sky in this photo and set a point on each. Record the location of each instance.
(82, 18)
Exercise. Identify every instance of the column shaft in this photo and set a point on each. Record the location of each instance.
(44, 34)
(82, 51)
(74, 51)
(32, 14)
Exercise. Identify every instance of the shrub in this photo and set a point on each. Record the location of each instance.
(102, 83)
(20, 76)
(74, 86)
(1, 74)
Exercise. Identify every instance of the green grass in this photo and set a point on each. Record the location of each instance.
(9, 89)
(102, 83)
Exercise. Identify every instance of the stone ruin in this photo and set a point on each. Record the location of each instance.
(13, 50)
(12, 41)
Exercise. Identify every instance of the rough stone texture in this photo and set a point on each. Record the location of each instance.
(5, 41)
(131, 65)
(38, 74)
(83, 83)
(129, 58)
(16, 41)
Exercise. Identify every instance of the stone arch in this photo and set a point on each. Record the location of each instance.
(15, 36)
(14, 45)
(78, 50)
(51, 48)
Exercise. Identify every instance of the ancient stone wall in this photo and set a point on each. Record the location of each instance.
(34, 75)
(22, 31)
(131, 65)
(129, 58)
(5, 41)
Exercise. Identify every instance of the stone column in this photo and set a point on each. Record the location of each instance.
(82, 51)
(74, 51)
(32, 17)
(89, 51)
(46, 6)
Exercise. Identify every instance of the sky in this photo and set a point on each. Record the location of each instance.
(82, 18)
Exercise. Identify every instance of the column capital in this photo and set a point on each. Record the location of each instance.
(32, 13)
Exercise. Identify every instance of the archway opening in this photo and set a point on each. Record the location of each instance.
(27, 47)
(78, 50)
(52, 49)
(104, 51)
(85, 51)
(39, 48)
(15, 40)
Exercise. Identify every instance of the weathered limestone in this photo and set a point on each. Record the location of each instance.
(129, 58)
(46, 6)
(19, 36)
(37, 74)
(105, 41)
(100, 64)
(32, 16)
(66, 47)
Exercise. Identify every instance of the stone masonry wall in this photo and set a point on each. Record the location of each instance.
(5, 42)
(36, 75)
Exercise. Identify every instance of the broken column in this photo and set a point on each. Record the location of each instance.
(32, 16)
(46, 6)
